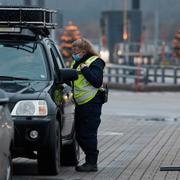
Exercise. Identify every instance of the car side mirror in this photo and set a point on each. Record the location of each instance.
(67, 74)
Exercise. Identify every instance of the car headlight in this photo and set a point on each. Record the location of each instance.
(30, 108)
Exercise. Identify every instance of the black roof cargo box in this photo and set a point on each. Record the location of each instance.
(26, 17)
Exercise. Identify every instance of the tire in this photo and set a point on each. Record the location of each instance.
(49, 158)
(70, 154)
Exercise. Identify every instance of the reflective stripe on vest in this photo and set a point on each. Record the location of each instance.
(83, 90)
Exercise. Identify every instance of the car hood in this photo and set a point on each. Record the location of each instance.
(21, 87)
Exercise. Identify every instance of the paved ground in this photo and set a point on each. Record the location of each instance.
(152, 104)
(131, 147)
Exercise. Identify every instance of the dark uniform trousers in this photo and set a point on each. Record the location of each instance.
(87, 118)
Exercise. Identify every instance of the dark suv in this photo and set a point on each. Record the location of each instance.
(32, 73)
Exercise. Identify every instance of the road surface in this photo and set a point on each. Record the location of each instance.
(122, 105)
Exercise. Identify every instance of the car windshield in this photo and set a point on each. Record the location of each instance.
(22, 61)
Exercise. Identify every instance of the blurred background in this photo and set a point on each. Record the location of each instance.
(118, 28)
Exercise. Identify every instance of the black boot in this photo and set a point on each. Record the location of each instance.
(87, 168)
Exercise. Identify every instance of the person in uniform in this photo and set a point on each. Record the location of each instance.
(88, 100)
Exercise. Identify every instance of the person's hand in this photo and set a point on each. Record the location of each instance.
(82, 66)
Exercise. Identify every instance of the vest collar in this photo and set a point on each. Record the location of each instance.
(83, 59)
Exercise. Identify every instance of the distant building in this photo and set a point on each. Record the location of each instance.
(112, 28)
(40, 3)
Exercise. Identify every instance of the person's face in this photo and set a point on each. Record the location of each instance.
(77, 50)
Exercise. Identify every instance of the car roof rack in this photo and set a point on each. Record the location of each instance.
(28, 18)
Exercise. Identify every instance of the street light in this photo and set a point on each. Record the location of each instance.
(125, 21)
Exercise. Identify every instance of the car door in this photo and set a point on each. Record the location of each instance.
(67, 96)
(5, 139)
(2, 147)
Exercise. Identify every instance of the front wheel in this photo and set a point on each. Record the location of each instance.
(49, 158)
(70, 153)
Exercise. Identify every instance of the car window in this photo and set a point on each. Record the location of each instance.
(57, 56)
(23, 60)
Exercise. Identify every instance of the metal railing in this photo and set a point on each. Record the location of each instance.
(145, 75)
(143, 53)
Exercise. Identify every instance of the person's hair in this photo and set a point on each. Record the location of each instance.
(86, 45)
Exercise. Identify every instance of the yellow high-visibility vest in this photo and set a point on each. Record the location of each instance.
(83, 90)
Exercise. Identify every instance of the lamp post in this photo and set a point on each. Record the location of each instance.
(125, 21)
(125, 30)
(156, 30)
